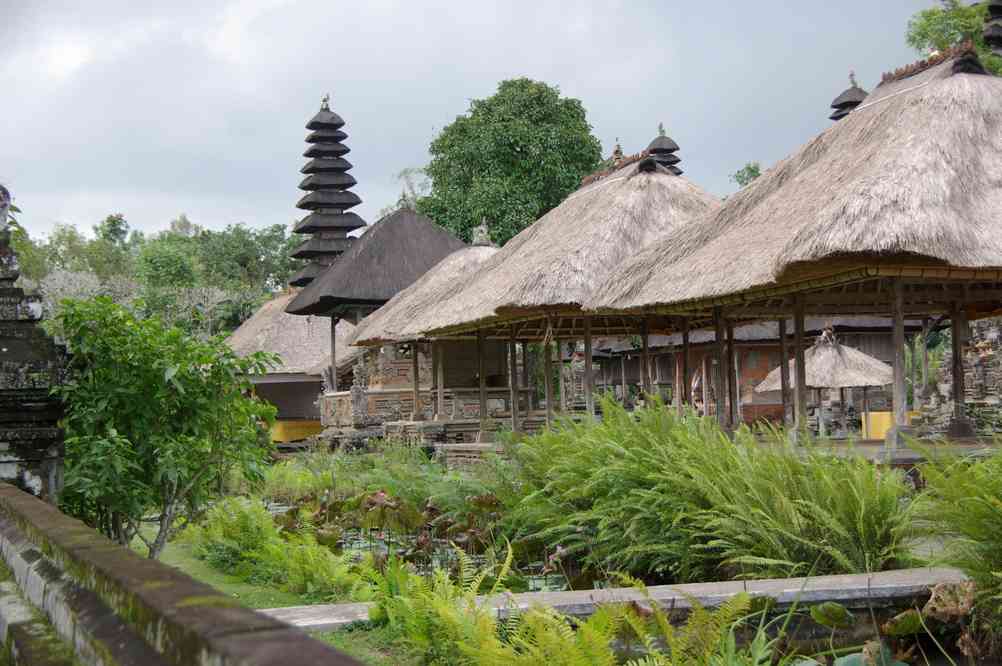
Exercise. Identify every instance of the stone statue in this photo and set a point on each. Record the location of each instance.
(4, 208)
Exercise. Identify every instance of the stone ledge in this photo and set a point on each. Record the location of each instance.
(180, 620)
(27, 638)
(887, 588)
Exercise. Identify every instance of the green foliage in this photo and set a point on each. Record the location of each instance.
(511, 158)
(240, 536)
(746, 174)
(954, 21)
(962, 506)
(649, 493)
(153, 418)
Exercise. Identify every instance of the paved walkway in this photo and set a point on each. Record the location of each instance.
(854, 591)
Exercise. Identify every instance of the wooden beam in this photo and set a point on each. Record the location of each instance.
(417, 414)
(440, 382)
(720, 372)
(589, 379)
(799, 367)
(482, 374)
(513, 379)
(784, 371)
(899, 395)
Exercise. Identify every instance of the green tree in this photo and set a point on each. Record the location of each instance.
(939, 28)
(746, 174)
(511, 158)
(167, 262)
(153, 419)
(113, 229)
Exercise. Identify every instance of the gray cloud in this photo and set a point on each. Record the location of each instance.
(199, 107)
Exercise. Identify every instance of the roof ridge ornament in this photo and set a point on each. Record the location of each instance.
(662, 150)
(848, 99)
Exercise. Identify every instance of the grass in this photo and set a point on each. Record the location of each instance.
(377, 646)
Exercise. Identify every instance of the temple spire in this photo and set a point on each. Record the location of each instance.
(327, 184)
(663, 150)
(850, 98)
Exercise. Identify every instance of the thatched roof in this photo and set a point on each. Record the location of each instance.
(401, 318)
(390, 256)
(915, 170)
(833, 365)
(302, 343)
(559, 260)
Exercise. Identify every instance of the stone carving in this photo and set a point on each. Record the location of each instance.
(31, 364)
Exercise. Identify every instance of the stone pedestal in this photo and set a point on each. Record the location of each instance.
(31, 443)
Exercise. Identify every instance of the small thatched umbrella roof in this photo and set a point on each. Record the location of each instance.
(832, 365)
(558, 261)
(400, 319)
(302, 343)
(390, 256)
(913, 171)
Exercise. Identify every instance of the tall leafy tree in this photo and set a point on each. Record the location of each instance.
(746, 174)
(154, 417)
(952, 22)
(511, 158)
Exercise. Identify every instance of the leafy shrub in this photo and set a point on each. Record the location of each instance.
(232, 532)
(652, 494)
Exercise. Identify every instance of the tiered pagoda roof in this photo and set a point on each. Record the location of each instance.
(663, 149)
(327, 184)
(850, 98)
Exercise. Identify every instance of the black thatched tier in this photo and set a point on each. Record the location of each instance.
(319, 247)
(328, 199)
(323, 165)
(662, 144)
(327, 150)
(326, 136)
(306, 275)
(315, 222)
(325, 119)
(328, 181)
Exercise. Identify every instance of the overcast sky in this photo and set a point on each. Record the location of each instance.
(198, 107)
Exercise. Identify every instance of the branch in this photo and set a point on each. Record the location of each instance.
(138, 533)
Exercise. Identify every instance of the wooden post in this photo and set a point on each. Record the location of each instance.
(686, 382)
(799, 367)
(333, 386)
(482, 374)
(926, 327)
(589, 379)
(417, 414)
(645, 360)
(560, 377)
(527, 378)
(866, 414)
(622, 366)
(732, 377)
(706, 383)
(440, 383)
(960, 424)
(720, 372)
(548, 380)
(915, 372)
(433, 347)
(678, 382)
(822, 431)
(513, 379)
(899, 394)
(784, 371)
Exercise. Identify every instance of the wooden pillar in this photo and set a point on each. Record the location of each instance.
(334, 355)
(915, 372)
(822, 431)
(548, 380)
(960, 424)
(926, 327)
(707, 360)
(561, 383)
(622, 367)
(589, 378)
(645, 360)
(784, 371)
(720, 372)
(440, 382)
(686, 382)
(678, 382)
(866, 413)
(482, 374)
(417, 414)
(513, 379)
(732, 377)
(433, 348)
(799, 367)
(527, 378)
(899, 394)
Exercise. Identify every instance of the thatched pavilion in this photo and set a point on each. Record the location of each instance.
(831, 365)
(893, 210)
(533, 288)
(303, 345)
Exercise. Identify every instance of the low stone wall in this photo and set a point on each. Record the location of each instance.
(114, 607)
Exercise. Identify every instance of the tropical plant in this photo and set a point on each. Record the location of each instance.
(154, 418)
(954, 21)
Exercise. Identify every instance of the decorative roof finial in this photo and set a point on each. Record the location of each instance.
(617, 153)
(325, 102)
(850, 98)
(661, 129)
(852, 79)
(662, 150)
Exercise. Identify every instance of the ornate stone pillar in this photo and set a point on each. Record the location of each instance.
(31, 365)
